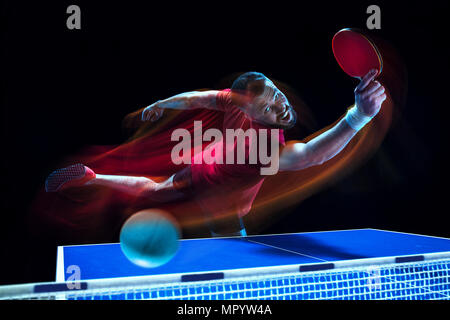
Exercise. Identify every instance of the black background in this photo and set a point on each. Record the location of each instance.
(64, 89)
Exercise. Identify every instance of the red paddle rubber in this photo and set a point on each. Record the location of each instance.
(355, 53)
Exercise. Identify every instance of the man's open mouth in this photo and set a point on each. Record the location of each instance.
(286, 115)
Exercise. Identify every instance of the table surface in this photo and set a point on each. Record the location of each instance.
(100, 261)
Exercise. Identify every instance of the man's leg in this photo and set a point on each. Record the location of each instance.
(78, 176)
(163, 191)
(229, 226)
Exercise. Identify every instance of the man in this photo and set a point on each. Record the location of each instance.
(225, 191)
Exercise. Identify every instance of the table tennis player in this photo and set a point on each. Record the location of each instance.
(253, 101)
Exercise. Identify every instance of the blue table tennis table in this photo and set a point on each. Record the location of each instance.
(201, 262)
(349, 264)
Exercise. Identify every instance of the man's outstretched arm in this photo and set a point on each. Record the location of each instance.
(369, 95)
(182, 101)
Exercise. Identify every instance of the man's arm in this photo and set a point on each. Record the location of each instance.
(182, 101)
(369, 95)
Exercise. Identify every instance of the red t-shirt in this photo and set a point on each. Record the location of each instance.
(223, 189)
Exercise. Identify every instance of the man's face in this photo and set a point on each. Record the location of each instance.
(271, 108)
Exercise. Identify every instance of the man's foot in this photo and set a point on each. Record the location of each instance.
(72, 176)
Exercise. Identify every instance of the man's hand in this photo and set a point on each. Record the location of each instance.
(369, 94)
(152, 113)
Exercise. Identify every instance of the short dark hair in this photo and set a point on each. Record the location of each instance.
(241, 83)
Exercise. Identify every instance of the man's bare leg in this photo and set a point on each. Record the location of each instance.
(228, 226)
(79, 175)
(139, 186)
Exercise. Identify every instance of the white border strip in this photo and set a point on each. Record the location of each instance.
(414, 234)
(60, 265)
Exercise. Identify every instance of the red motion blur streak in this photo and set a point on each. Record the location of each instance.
(95, 213)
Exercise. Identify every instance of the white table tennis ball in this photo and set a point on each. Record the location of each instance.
(149, 238)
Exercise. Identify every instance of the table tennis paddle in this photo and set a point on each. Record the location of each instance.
(356, 53)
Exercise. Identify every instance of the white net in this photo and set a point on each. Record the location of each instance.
(406, 281)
